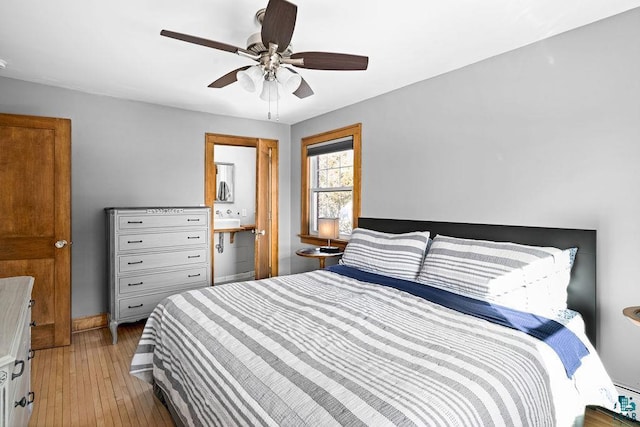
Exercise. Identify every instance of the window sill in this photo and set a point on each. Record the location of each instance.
(316, 241)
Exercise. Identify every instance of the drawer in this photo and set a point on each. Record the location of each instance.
(129, 263)
(140, 307)
(162, 240)
(144, 283)
(20, 414)
(133, 222)
(19, 386)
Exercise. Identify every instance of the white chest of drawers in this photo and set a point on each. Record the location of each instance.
(16, 398)
(154, 253)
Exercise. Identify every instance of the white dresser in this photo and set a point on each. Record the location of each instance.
(154, 253)
(16, 397)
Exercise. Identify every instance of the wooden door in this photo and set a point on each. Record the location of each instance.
(266, 256)
(35, 218)
(266, 208)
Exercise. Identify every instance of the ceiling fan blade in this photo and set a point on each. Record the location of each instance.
(228, 78)
(278, 23)
(200, 41)
(331, 61)
(304, 89)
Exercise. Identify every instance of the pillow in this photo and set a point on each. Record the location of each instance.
(394, 255)
(544, 296)
(506, 273)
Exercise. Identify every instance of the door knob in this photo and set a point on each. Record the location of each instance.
(261, 232)
(61, 244)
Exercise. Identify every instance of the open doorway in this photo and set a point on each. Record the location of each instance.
(241, 183)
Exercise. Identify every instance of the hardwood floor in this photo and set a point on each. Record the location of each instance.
(88, 383)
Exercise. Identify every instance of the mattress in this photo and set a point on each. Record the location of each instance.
(320, 348)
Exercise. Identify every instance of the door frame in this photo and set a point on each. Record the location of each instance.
(213, 139)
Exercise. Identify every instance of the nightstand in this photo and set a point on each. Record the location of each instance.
(596, 416)
(315, 253)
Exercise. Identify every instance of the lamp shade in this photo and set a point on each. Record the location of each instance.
(250, 78)
(270, 91)
(328, 228)
(289, 80)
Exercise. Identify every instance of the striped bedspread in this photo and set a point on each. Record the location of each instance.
(321, 349)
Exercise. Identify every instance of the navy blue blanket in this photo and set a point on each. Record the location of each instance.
(562, 340)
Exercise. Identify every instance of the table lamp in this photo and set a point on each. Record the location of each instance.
(329, 228)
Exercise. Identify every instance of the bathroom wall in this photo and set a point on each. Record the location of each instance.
(237, 259)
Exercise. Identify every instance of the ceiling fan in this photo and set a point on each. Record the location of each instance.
(270, 48)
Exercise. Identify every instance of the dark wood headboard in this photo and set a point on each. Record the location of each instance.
(582, 288)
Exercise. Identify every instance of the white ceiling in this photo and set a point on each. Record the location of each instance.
(114, 47)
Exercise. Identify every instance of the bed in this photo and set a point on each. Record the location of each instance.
(397, 334)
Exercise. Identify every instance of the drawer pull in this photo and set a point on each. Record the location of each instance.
(193, 256)
(196, 219)
(31, 303)
(32, 354)
(32, 397)
(134, 241)
(135, 284)
(134, 262)
(193, 275)
(193, 237)
(135, 306)
(22, 402)
(33, 323)
(134, 222)
(14, 375)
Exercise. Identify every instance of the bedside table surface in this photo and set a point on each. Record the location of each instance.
(315, 252)
(597, 416)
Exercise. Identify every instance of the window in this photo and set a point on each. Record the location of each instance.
(330, 181)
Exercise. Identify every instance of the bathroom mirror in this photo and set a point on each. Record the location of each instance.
(224, 182)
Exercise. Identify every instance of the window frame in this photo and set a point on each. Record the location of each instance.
(353, 131)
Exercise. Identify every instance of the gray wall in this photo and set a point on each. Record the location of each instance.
(127, 153)
(547, 135)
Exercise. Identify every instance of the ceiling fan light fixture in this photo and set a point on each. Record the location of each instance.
(270, 91)
(289, 80)
(271, 48)
(250, 78)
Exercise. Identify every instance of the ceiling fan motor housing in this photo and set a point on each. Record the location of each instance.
(260, 15)
(255, 45)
